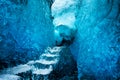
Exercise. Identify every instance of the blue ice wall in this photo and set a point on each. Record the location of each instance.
(96, 47)
(97, 43)
(25, 29)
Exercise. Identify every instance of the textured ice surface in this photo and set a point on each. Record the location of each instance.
(95, 47)
(22, 23)
(26, 29)
(64, 17)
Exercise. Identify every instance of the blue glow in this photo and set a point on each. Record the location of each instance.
(89, 29)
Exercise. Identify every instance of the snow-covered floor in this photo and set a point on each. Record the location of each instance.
(16, 70)
(11, 73)
(9, 77)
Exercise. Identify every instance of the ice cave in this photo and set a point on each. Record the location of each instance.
(59, 39)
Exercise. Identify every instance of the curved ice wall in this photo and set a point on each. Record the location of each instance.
(64, 14)
(98, 37)
(96, 46)
(25, 29)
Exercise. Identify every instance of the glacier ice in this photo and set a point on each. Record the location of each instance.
(96, 58)
(22, 23)
(95, 46)
(9, 77)
(91, 28)
(64, 20)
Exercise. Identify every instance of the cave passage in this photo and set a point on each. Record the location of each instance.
(28, 48)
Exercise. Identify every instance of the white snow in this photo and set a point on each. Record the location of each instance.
(46, 62)
(59, 6)
(50, 55)
(31, 62)
(9, 77)
(67, 19)
(17, 69)
(64, 13)
(11, 72)
(45, 71)
(54, 49)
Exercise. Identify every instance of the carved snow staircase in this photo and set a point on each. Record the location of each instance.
(44, 66)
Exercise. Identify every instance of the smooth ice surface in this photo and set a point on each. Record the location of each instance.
(68, 17)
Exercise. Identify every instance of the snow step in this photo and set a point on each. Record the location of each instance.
(46, 62)
(43, 61)
(9, 77)
(40, 66)
(16, 70)
(45, 71)
(49, 58)
(43, 66)
(54, 49)
(50, 55)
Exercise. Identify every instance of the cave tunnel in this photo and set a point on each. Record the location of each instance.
(59, 40)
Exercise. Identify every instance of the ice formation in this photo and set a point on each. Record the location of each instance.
(64, 19)
(95, 46)
(91, 27)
